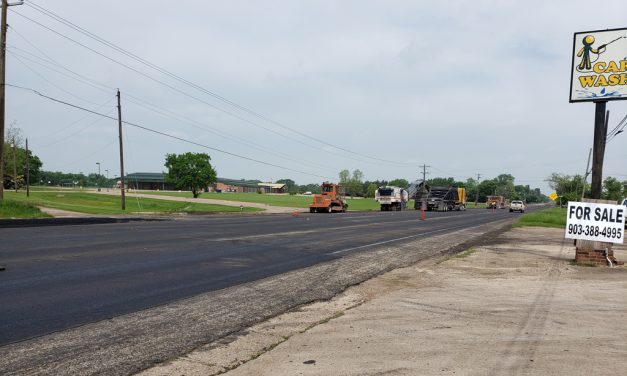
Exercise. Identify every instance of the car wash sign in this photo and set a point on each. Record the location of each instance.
(596, 222)
(599, 66)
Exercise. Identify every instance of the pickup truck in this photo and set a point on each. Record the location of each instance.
(517, 205)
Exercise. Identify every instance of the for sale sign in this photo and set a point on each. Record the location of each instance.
(596, 222)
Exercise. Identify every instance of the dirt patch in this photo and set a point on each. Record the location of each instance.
(516, 305)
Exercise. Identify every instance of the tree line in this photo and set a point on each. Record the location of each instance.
(573, 187)
(501, 185)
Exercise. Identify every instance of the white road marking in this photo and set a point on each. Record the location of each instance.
(394, 240)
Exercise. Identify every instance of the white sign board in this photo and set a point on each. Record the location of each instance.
(599, 66)
(596, 222)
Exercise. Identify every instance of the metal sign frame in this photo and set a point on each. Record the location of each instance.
(603, 94)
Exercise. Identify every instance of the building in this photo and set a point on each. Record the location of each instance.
(246, 186)
(153, 181)
(150, 181)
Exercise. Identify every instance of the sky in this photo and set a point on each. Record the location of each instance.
(305, 89)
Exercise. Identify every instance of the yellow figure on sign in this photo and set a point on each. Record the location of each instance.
(588, 40)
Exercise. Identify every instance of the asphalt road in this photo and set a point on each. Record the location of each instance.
(64, 276)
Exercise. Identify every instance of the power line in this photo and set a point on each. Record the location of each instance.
(166, 134)
(145, 62)
(166, 113)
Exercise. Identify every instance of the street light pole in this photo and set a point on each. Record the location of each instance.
(98, 177)
(107, 171)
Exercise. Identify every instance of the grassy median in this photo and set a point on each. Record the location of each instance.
(92, 203)
(553, 217)
(290, 201)
(10, 209)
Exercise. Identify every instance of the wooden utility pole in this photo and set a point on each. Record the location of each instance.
(121, 153)
(14, 165)
(477, 193)
(3, 50)
(3, 43)
(585, 176)
(27, 171)
(600, 134)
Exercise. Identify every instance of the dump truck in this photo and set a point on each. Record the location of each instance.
(440, 198)
(330, 199)
(495, 202)
(391, 198)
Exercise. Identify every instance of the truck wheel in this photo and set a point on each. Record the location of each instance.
(312, 210)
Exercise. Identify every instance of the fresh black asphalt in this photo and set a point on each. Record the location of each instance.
(64, 276)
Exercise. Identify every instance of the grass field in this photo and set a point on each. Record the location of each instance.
(553, 217)
(274, 200)
(92, 203)
(14, 209)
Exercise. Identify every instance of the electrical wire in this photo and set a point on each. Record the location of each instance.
(157, 109)
(198, 99)
(166, 134)
(184, 81)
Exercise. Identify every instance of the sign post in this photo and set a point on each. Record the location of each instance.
(596, 226)
(599, 75)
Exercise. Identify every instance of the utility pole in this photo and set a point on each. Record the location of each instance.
(98, 177)
(585, 176)
(424, 173)
(477, 193)
(27, 171)
(3, 45)
(121, 152)
(600, 135)
(423, 202)
(14, 165)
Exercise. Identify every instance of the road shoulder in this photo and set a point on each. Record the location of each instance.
(518, 306)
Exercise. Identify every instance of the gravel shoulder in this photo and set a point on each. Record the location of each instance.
(516, 305)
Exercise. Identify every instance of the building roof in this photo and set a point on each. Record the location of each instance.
(272, 185)
(151, 177)
(157, 177)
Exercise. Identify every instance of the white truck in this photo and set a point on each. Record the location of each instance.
(392, 198)
(517, 205)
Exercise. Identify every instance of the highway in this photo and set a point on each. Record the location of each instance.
(59, 277)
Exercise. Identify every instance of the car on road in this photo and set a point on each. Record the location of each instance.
(517, 205)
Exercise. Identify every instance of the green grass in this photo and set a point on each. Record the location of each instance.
(553, 217)
(93, 203)
(14, 209)
(294, 201)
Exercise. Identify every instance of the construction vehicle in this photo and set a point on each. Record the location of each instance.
(330, 199)
(391, 198)
(495, 202)
(440, 198)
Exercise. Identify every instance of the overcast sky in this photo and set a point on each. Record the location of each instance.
(465, 87)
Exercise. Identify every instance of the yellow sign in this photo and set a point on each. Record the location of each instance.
(553, 196)
(599, 66)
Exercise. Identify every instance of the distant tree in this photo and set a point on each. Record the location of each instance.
(370, 191)
(612, 189)
(566, 186)
(355, 185)
(291, 186)
(313, 188)
(34, 165)
(486, 188)
(403, 183)
(345, 177)
(190, 171)
(378, 183)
